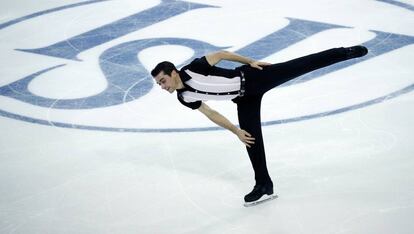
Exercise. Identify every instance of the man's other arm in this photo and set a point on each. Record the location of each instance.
(222, 121)
(216, 57)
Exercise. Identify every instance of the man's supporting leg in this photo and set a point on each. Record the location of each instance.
(249, 119)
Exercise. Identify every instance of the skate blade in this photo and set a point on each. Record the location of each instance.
(263, 199)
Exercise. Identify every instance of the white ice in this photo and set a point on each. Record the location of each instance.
(351, 172)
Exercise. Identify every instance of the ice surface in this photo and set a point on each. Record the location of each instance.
(339, 146)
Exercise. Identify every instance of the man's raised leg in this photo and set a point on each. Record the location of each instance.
(277, 74)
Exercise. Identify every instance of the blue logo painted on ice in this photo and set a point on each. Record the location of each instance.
(128, 80)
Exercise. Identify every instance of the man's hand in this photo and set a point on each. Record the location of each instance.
(220, 120)
(245, 137)
(259, 65)
(216, 57)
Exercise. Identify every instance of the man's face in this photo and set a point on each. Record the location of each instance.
(166, 82)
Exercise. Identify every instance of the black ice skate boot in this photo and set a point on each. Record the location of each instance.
(260, 193)
(356, 51)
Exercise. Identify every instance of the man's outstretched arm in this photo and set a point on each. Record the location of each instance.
(222, 121)
(216, 57)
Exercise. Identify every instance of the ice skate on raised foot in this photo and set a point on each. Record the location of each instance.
(356, 51)
(260, 194)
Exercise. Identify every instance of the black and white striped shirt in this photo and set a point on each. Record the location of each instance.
(204, 82)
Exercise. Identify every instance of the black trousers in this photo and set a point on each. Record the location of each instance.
(258, 82)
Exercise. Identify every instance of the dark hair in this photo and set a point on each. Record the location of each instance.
(166, 67)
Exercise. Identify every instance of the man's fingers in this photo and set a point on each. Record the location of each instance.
(246, 133)
(250, 142)
(249, 138)
(258, 67)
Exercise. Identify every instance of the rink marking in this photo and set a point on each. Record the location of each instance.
(128, 94)
(378, 100)
(40, 13)
(398, 4)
